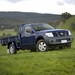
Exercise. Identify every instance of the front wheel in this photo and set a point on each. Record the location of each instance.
(12, 49)
(42, 46)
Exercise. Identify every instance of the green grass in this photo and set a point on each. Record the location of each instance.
(55, 62)
(7, 31)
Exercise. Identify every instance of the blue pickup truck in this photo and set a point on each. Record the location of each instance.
(37, 37)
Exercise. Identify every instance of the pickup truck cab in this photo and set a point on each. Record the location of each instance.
(37, 37)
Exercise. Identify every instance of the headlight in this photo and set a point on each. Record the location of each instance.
(49, 34)
(69, 32)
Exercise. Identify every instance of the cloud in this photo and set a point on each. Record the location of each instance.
(14, 1)
(69, 1)
(60, 3)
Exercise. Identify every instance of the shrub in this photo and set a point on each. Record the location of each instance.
(73, 26)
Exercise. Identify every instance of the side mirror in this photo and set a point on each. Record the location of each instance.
(28, 30)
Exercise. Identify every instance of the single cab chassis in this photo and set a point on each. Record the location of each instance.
(37, 37)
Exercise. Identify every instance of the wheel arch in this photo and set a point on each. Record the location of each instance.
(10, 44)
(39, 38)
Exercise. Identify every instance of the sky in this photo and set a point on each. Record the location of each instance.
(39, 6)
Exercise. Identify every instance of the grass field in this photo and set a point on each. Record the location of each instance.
(54, 62)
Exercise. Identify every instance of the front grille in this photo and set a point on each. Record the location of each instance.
(60, 34)
(58, 40)
(55, 34)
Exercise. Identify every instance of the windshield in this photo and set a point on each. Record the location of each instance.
(39, 27)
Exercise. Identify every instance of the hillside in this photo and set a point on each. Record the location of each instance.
(67, 24)
(26, 17)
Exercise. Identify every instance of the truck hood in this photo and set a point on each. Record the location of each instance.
(53, 30)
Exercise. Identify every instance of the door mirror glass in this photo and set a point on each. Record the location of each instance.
(28, 30)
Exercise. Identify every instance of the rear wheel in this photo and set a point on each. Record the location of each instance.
(42, 46)
(12, 49)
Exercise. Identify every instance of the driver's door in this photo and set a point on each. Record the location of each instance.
(28, 38)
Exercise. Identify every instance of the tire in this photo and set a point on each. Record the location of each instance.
(12, 49)
(61, 47)
(69, 45)
(41, 46)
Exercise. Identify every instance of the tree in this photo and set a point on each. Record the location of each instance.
(65, 16)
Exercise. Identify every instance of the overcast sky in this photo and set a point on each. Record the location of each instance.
(39, 6)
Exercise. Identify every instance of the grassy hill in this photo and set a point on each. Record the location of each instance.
(55, 62)
(67, 24)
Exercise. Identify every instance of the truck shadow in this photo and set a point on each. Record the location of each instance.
(58, 49)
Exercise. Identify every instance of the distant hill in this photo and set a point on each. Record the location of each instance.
(14, 18)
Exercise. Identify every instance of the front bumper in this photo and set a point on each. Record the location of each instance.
(58, 40)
